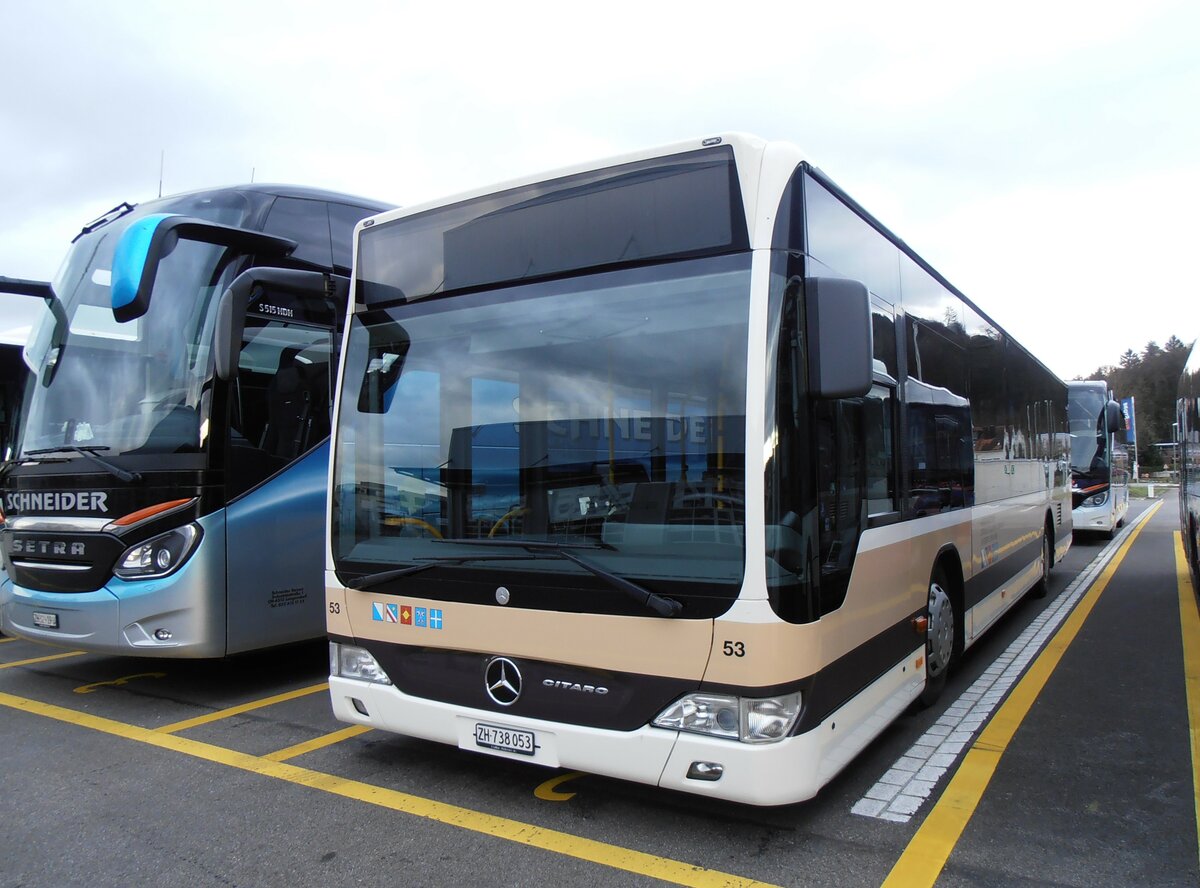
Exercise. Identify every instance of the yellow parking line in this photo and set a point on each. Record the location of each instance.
(282, 755)
(1189, 626)
(6, 640)
(239, 709)
(47, 659)
(927, 852)
(527, 834)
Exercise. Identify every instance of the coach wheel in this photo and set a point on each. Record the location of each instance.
(1043, 584)
(939, 641)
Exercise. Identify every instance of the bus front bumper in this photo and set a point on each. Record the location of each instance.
(1094, 518)
(758, 774)
(172, 617)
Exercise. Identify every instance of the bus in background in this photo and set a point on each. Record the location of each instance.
(1099, 460)
(12, 374)
(12, 379)
(678, 468)
(167, 488)
(1188, 416)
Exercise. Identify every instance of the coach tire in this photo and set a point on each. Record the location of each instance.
(939, 639)
(1042, 586)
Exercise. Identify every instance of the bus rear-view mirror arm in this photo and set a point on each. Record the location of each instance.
(838, 314)
(21, 287)
(231, 312)
(43, 290)
(147, 241)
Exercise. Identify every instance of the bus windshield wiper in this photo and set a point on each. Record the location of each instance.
(90, 453)
(538, 551)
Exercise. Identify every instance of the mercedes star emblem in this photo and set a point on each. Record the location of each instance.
(502, 681)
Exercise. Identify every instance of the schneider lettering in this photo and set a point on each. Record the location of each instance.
(574, 686)
(57, 501)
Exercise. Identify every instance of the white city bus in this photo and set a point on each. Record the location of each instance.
(678, 468)
(1099, 460)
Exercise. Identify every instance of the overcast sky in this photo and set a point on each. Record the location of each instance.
(1044, 156)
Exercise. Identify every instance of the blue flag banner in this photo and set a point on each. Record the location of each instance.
(1130, 428)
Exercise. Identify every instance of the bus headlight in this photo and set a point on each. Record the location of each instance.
(158, 556)
(348, 661)
(1098, 500)
(751, 720)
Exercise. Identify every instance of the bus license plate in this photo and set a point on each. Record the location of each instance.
(505, 739)
(45, 621)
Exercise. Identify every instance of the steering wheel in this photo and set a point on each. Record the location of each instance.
(511, 513)
(416, 522)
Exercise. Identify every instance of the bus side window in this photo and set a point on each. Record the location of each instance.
(879, 440)
(307, 223)
(841, 472)
(342, 219)
(279, 402)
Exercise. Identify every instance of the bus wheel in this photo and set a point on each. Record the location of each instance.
(939, 641)
(1042, 586)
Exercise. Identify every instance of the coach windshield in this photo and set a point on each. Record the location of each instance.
(136, 387)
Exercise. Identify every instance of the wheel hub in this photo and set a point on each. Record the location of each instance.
(939, 641)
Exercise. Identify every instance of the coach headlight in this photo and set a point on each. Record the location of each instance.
(751, 720)
(158, 556)
(1098, 500)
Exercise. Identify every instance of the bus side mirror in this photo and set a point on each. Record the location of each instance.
(840, 353)
(386, 352)
(149, 240)
(1115, 416)
(231, 310)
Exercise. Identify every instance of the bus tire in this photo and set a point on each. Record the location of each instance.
(1042, 586)
(940, 637)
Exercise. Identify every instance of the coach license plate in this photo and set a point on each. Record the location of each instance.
(505, 739)
(45, 621)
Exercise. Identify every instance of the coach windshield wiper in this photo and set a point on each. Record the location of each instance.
(90, 453)
(537, 551)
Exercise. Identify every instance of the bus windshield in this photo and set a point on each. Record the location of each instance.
(1085, 413)
(603, 415)
(135, 387)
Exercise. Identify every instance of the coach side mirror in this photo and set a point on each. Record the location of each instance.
(1115, 416)
(838, 314)
(231, 310)
(147, 241)
(386, 352)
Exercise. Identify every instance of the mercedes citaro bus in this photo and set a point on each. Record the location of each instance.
(677, 467)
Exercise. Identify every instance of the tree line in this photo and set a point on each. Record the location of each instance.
(1151, 378)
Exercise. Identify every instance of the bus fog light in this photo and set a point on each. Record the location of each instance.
(769, 719)
(713, 714)
(705, 771)
(349, 661)
(159, 555)
(162, 634)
